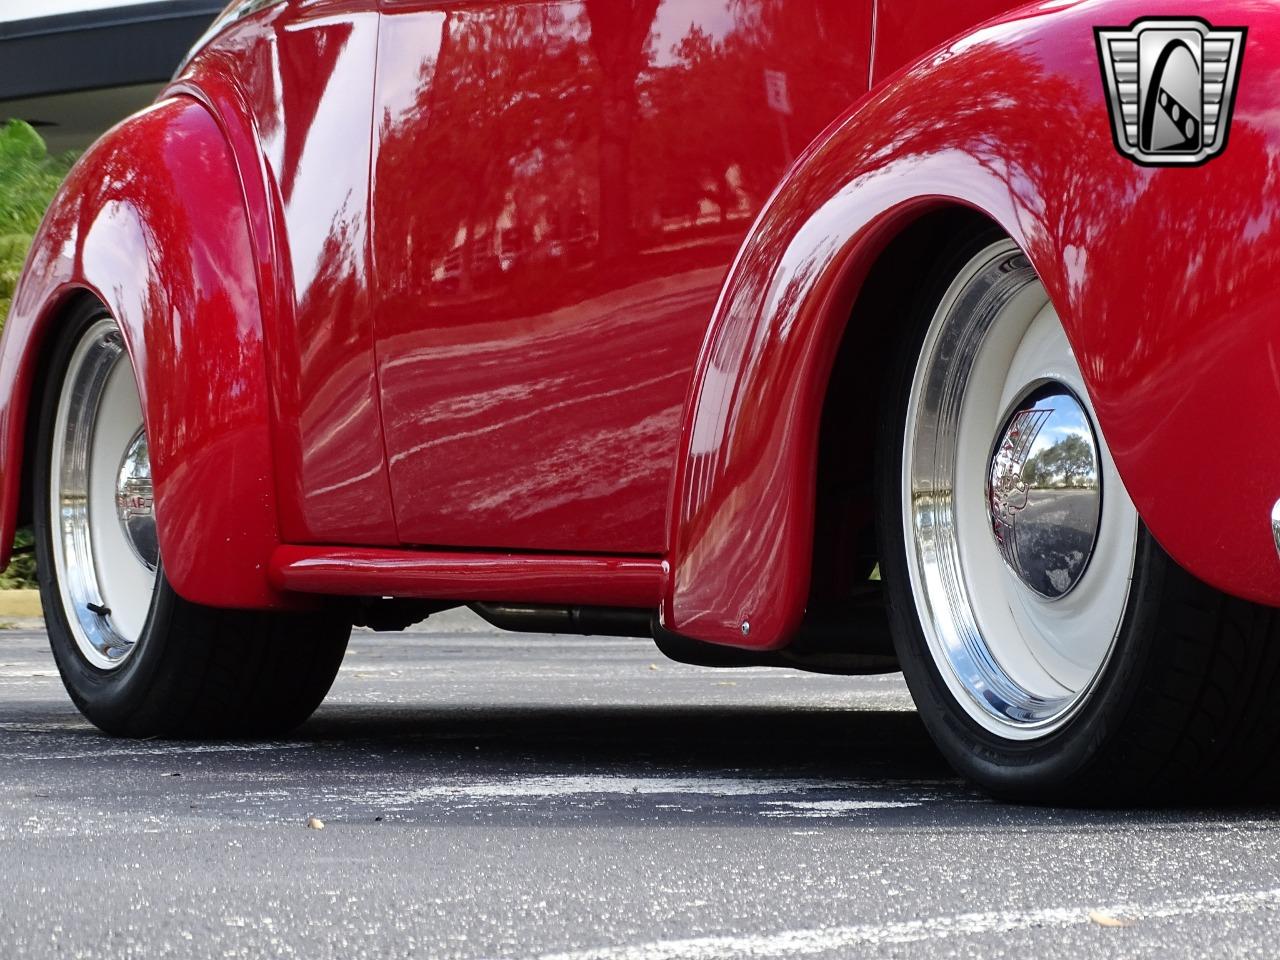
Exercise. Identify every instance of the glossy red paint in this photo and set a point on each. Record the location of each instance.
(440, 575)
(292, 89)
(438, 273)
(905, 31)
(151, 222)
(559, 189)
(1165, 280)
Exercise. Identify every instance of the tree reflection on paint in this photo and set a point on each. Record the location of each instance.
(567, 134)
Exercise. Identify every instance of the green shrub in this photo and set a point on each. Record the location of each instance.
(21, 572)
(28, 179)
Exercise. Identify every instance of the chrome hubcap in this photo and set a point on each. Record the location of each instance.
(1045, 490)
(134, 502)
(104, 543)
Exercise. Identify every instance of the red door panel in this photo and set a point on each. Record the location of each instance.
(559, 188)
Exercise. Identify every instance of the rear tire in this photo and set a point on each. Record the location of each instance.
(1137, 682)
(137, 659)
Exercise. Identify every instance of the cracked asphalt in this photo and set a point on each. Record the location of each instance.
(488, 795)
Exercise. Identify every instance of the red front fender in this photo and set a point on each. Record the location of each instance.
(1166, 281)
(152, 222)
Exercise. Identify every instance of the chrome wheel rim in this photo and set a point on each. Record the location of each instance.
(102, 523)
(1020, 571)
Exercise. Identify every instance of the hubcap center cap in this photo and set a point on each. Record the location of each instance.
(1044, 490)
(135, 505)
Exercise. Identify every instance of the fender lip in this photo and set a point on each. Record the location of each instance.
(690, 605)
(16, 410)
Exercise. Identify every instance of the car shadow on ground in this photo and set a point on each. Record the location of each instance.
(866, 754)
(780, 741)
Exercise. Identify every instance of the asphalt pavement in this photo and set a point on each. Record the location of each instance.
(474, 794)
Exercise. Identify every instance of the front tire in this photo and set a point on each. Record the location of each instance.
(1055, 652)
(137, 659)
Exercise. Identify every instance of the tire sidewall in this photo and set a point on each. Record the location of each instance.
(109, 697)
(1046, 768)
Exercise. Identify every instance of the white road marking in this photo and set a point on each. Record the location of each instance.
(174, 750)
(831, 808)
(799, 943)
(568, 786)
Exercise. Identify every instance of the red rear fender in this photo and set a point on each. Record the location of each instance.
(1166, 281)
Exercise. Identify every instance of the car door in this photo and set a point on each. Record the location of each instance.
(559, 188)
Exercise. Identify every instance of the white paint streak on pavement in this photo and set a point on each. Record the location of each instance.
(50, 728)
(568, 786)
(175, 750)
(799, 943)
(831, 808)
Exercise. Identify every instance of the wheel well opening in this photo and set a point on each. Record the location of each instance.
(844, 592)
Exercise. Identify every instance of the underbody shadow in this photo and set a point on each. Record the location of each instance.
(774, 741)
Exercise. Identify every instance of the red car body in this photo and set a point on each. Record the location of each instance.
(542, 302)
